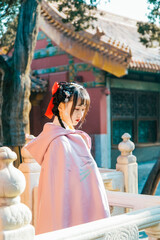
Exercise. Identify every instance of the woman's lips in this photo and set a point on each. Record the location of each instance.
(77, 120)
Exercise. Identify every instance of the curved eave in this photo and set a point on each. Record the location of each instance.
(101, 55)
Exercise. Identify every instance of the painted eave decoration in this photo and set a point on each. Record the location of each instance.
(108, 55)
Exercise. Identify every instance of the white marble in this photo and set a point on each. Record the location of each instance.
(127, 163)
(15, 217)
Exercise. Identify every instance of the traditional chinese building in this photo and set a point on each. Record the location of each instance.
(120, 74)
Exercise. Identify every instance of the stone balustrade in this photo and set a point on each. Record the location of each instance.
(15, 217)
(31, 170)
(125, 226)
(127, 163)
(146, 212)
(114, 181)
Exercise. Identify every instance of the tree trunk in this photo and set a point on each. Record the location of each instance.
(152, 180)
(16, 91)
(1, 102)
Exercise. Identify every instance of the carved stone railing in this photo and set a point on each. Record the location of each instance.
(114, 181)
(31, 170)
(127, 163)
(15, 217)
(125, 226)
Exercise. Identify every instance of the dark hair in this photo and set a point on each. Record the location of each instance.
(70, 91)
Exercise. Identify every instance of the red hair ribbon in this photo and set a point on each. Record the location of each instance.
(49, 112)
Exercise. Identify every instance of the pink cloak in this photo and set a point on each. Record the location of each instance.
(71, 190)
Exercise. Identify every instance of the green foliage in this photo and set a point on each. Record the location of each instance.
(77, 12)
(9, 10)
(150, 32)
(8, 38)
(154, 7)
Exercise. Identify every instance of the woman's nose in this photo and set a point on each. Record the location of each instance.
(80, 114)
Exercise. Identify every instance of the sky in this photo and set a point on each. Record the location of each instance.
(135, 9)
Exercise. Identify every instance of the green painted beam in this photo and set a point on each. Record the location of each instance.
(135, 85)
(94, 84)
(78, 68)
(48, 52)
(61, 68)
(143, 72)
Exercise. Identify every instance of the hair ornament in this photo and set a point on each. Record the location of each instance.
(49, 112)
(67, 94)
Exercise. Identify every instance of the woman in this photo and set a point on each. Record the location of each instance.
(71, 190)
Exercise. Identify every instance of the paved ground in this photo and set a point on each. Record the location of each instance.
(143, 172)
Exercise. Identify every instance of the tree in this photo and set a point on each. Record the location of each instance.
(150, 31)
(16, 85)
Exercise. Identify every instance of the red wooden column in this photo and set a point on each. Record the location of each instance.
(96, 126)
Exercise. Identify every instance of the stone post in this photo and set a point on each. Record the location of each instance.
(15, 217)
(127, 164)
(31, 170)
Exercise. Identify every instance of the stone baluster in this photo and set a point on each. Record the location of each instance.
(15, 217)
(31, 170)
(127, 164)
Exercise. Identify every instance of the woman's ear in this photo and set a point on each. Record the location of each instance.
(61, 107)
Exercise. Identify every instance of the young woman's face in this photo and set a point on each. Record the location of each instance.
(78, 113)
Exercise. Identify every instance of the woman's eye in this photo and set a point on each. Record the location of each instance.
(78, 109)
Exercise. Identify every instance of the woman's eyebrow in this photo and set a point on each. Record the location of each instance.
(81, 105)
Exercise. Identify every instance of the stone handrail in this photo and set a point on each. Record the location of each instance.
(146, 215)
(132, 200)
(126, 225)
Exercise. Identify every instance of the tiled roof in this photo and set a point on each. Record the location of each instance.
(125, 29)
(114, 36)
(106, 49)
(144, 66)
(38, 85)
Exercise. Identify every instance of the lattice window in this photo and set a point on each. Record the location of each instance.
(147, 131)
(147, 104)
(134, 112)
(119, 128)
(123, 104)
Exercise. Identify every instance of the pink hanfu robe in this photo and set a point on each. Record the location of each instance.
(71, 189)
